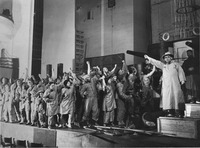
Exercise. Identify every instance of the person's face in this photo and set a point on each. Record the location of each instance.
(105, 69)
(83, 82)
(146, 81)
(131, 78)
(41, 94)
(18, 83)
(58, 81)
(168, 59)
(147, 61)
(66, 77)
(189, 53)
(68, 84)
(40, 83)
(10, 81)
(52, 86)
(115, 78)
(3, 81)
(23, 86)
(120, 72)
(30, 83)
(7, 88)
(109, 81)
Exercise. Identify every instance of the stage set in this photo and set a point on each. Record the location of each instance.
(171, 132)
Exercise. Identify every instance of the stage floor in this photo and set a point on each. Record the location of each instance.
(86, 138)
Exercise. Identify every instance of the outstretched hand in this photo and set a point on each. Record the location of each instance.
(146, 56)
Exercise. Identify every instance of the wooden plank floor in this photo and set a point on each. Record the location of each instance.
(85, 138)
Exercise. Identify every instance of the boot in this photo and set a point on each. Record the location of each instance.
(170, 113)
(179, 113)
(69, 121)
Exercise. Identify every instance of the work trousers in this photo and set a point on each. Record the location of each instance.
(91, 104)
(109, 116)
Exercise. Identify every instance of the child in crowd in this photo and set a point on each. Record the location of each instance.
(40, 115)
(7, 105)
(23, 97)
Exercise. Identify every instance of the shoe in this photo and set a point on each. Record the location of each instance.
(49, 127)
(43, 126)
(28, 123)
(60, 126)
(96, 124)
(121, 124)
(112, 124)
(22, 122)
(77, 124)
(69, 125)
(197, 102)
(179, 116)
(32, 124)
(170, 115)
(105, 124)
(83, 123)
(150, 124)
(132, 126)
(132, 116)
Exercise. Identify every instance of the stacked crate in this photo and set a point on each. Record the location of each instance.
(187, 127)
(192, 110)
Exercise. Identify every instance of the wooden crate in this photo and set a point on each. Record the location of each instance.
(179, 127)
(192, 110)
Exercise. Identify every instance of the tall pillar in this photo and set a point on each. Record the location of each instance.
(23, 13)
(102, 26)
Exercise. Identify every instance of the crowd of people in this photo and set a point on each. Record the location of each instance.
(118, 97)
(97, 97)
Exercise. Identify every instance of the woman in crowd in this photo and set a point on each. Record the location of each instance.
(109, 103)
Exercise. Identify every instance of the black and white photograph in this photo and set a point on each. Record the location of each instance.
(99, 73)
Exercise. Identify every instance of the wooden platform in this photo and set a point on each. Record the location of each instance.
(85, 138)
(179, 127)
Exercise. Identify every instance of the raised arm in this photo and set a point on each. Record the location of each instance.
(46, 96)
(124, 67)
(76, 81)
(26, 75)
(39, 75)
(53, 74)
(113, 70)
(103, 83)
(150, 74)
(98, 70)
(33, 77)
(154, 62)
(88, 67)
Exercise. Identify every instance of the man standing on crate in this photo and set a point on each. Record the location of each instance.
(172, 79)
